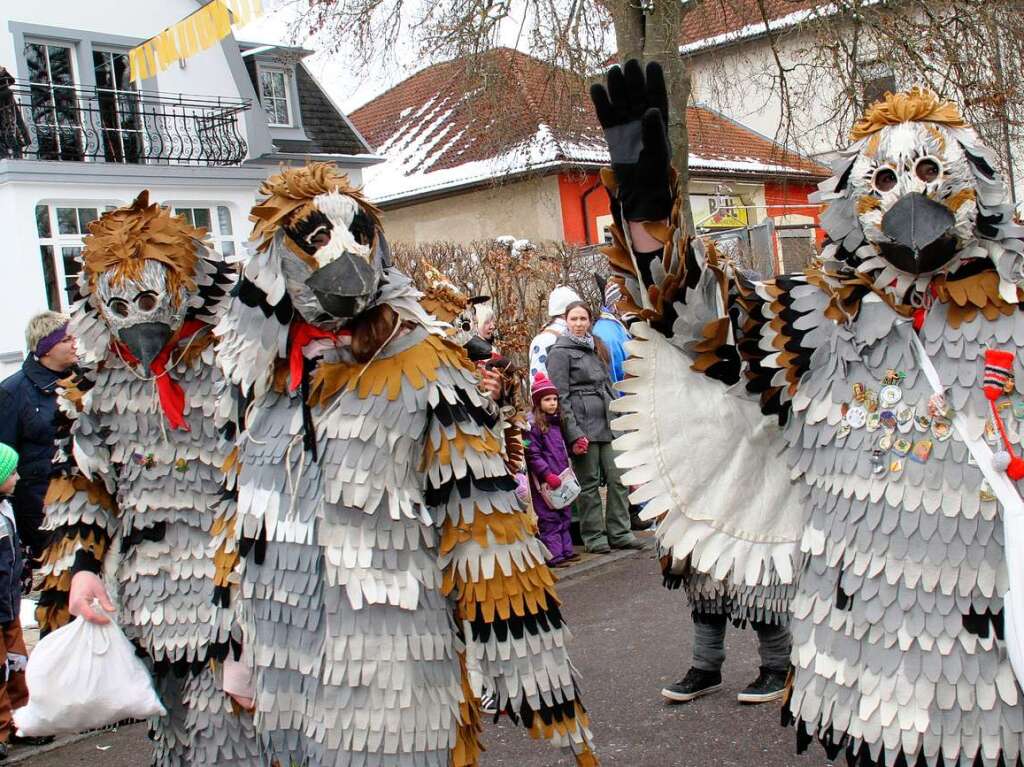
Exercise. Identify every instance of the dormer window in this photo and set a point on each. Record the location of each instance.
(276, 96)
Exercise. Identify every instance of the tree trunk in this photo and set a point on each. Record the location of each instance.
(664, 24)
(653, 35)
(629, 28)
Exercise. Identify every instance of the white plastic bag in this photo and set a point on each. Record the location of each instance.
(84, 676)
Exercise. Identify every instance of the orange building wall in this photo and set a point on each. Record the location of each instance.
(572, 189)
(779, 194)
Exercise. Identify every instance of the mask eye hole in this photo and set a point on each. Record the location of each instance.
(319, 237)
(362, 229)
(147, 301)
(118, 306)
(927, 170)
(884, 180)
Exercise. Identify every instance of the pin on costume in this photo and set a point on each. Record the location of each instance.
(856, 464)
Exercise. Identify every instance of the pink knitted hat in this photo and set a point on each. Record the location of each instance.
(541, 388)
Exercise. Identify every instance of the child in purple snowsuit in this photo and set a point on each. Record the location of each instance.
(546, 458)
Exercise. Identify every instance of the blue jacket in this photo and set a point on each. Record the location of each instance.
(28, 409)
(11, 565)
(28, 423)
(613, 335)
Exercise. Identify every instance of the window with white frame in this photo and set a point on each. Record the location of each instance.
(119, 108)
(61, 228)
(275, 95)
(215, 219)
(54, 108)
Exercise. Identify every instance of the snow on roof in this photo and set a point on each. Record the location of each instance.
(711, 23)
(440, 130)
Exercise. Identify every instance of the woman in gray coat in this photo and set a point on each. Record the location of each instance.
(578, 367)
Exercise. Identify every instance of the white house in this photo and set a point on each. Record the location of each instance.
(77, 137)
(733, 68)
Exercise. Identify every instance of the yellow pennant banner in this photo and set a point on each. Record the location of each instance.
(194, 33)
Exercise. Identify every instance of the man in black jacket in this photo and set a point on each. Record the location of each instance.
(28, 410)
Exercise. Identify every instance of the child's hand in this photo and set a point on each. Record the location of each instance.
(85, 587)
(552, 481)
(580, 446)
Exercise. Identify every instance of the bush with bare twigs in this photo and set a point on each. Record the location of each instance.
(518, 276)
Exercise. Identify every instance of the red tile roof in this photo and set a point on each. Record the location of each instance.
(442, 128)
(709, 21)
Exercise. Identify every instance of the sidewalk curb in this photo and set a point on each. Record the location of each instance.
(571, 573)
(23, 753)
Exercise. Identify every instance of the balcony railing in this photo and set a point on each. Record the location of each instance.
(46, 121)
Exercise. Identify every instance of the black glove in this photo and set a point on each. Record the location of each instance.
(633, 111)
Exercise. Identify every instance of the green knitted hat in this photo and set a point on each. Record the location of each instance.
(8, 462)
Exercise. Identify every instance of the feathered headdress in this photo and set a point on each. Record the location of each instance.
(916, 105)
(289, 195)
(121, 241)
(440, 295)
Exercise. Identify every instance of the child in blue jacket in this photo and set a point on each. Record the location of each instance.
(13, 655)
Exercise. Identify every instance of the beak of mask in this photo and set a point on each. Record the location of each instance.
(346, 286)
(145, 340)
(920, 233)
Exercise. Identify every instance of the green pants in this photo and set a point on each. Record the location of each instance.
(597, 526)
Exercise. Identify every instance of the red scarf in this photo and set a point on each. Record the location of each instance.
(299, 334)
(172, 396)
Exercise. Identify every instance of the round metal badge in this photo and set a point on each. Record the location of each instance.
(856, 416)
(889, 395)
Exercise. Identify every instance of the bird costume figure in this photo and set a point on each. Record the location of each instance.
(870, 481)
(377, 518)
(147, 508)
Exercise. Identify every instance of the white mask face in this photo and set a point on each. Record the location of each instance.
(922, 163)
(125, 303)
(350, 256)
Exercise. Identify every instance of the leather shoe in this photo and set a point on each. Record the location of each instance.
(39, 740)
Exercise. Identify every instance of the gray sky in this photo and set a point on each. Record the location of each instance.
(334, 72)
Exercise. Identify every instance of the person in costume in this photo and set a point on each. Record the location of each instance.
(871, 480)
(547, 457)
(451, 305)
(28, 418)
(558, 302)
(381, 536)
(145, 513)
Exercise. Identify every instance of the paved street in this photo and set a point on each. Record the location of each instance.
(631, 637)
